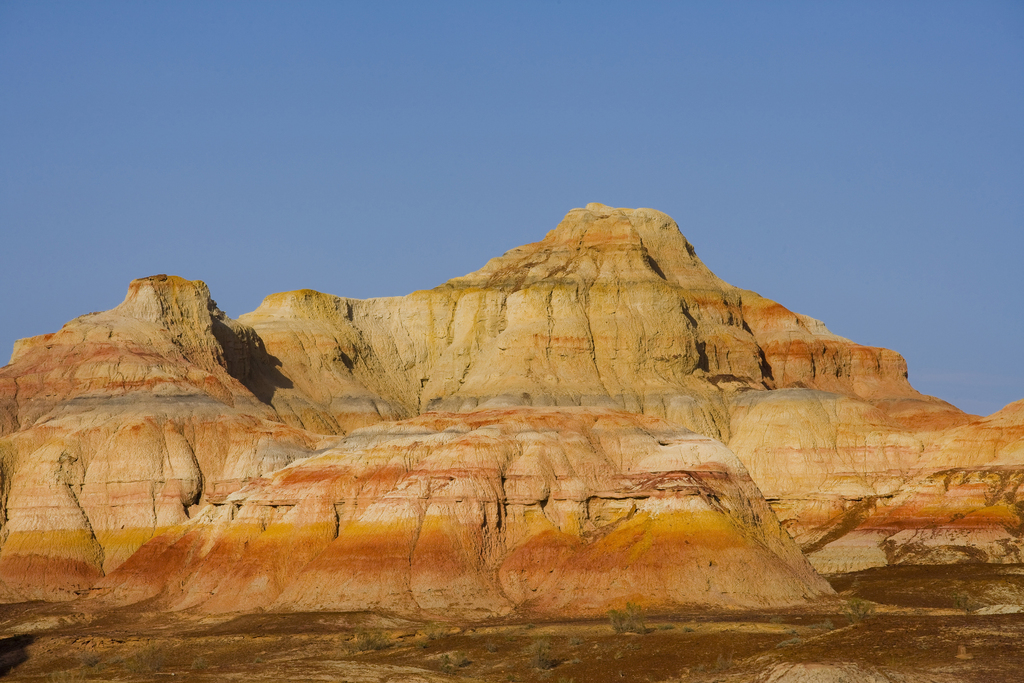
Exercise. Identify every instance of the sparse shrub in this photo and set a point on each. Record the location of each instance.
(452, 661)
(370, 639)
(540, 655)
(666, 627)
(575, 640)
(723, 662)
(791, 641)
(89, 659)
(965, 603)
(147, 660)
(629, 620)
(826, 625)
(69, 676)
(687, 629)
(491, 646)
(566, 680)
(776, 619)
(258, 659)
(435, 631)
(857, 610)
(199, 664)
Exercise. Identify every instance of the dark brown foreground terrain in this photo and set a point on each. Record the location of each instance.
(923, 617)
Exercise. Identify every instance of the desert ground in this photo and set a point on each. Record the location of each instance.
(929, 624)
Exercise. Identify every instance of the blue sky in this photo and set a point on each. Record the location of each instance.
(861, 162)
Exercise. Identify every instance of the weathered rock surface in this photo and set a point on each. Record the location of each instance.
(117, 426)
(124, 424)
(844, 672)
(964, 502)
(613, 308)
(553, 511)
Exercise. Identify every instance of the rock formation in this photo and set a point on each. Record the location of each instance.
(613, 308)
(565, 511)
(148, 420)
(121, 424)
(963, 503)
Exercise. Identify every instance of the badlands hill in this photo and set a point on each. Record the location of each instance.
(553, 420)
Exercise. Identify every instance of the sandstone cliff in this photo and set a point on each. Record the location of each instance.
(143, 421)
(121, 424)
(564, 511)
(963, 503)
(613, 308)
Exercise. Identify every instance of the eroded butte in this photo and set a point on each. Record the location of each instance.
(595, 410)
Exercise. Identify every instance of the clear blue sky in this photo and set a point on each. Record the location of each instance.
(860, 162)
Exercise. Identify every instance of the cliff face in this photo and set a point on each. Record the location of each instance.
(613, 308)
(551, 511)
(122, 424)
(963, 503)
(145, 420)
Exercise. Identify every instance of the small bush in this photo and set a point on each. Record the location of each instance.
(575, 640)
(858, 610)
(629, 620)
(687, 629)
(491, 646)
(370, 639)
(199, 664)
(89, 659)
(791, 641)
(258, 659)
(776, 619)
(965, 603)
(147, 660)
(435, 631)
(452, 661)
(723, 662)
(69, 676)
(540, 655)
(666, 627)
(826, 625)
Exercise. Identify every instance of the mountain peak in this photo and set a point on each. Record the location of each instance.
(599, 243)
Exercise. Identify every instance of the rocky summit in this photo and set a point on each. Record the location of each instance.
(587, 420)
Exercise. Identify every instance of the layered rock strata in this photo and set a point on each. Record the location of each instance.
(122, 424)
(613, 308)
(565, 511)
(126, 423)
(964, 503)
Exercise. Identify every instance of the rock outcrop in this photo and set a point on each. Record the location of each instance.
(144, 421)
(120, 425)
(613, 308)
(962, 503)
(565, 511)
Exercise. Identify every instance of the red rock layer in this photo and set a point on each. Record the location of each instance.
(549, 511)
(963, 503)
(124, 423)
(118, 426)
